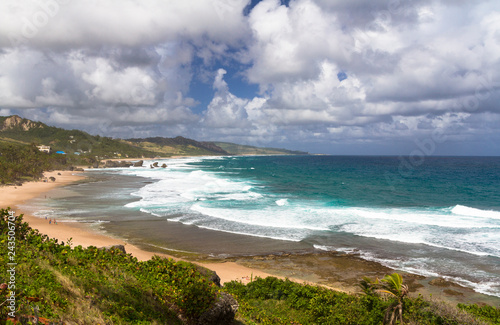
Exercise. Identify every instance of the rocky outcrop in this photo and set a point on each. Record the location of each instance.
(211, 275)
(221, 313)
(115, 247)
(139, 163)
(16, 122)
(117, 164)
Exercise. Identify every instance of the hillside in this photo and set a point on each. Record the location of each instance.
(178, 146)
(14, 129)
(238, 149)
(19, 131)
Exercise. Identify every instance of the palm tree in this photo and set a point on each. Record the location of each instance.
(368, 286)
(393, 286)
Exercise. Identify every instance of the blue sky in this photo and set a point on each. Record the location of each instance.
(326, 76)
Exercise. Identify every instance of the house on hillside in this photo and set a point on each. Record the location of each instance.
(44, 148)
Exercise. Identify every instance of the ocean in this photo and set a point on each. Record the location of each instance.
(433, 216)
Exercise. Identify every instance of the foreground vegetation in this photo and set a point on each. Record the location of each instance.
(55, 282)
(58, 282)
(275, 301)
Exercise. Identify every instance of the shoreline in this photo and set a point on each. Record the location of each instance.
(334, 270)
(80, 234)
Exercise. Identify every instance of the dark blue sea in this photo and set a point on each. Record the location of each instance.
(434, 216)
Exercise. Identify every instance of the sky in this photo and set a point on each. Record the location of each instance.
(365, 77)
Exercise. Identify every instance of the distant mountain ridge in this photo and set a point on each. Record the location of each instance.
(239, 149)
(179, 141)
(17, 130)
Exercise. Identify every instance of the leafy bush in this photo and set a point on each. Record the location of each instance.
(92, 285)
(487, 313)
(275, 301)
(314, 305)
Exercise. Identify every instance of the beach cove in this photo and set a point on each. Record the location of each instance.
(232, 256)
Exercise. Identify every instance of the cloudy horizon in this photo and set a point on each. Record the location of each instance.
(335, 77)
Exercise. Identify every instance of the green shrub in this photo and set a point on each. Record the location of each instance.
(92, 285)
(487, 313)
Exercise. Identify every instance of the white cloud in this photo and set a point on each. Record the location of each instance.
(225, 110)
(290, 42)
(361, 71)
(64, 23)
(131, 85)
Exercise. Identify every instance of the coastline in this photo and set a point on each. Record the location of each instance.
(14, 196)
(334, 270)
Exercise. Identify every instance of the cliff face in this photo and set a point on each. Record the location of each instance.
(16, 122)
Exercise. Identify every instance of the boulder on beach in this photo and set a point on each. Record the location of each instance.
(117, 164)
(139, 163)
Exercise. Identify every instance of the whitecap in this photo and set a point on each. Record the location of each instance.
(473, 212)
(281, 202)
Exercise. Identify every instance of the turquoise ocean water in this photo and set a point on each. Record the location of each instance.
(437, 216)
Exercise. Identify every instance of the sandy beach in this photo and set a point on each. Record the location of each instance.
(13, 196)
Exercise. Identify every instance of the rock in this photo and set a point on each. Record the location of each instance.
(164, 166)
(440, 282)
(155, 164)
(116, 247)
(221, 313)
(450, 292)
(139, 163)
(211, 275)
(125, 164)
(117, 164)
(79, 169)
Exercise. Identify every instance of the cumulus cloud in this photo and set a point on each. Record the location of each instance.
(69, 24)
(327, 72)
(225, 110)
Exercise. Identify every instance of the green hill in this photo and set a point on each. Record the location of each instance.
(17, 130)
(14, 129)
(238, 149)
(178, 146)
(24, 131)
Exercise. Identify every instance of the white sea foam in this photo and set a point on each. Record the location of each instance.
(473, 212)
(281, 202)
(266, 217)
